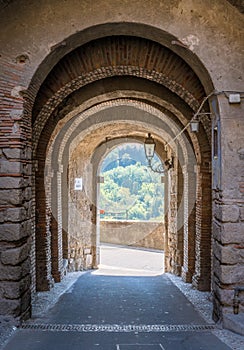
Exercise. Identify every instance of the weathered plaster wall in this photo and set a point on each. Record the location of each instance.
(212, 31)
(195, 23)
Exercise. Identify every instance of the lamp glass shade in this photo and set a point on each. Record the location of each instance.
(149, 146)
(194, 125)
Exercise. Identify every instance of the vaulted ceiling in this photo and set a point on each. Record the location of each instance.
(239, 4)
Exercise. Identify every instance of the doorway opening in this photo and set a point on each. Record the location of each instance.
(131, 213)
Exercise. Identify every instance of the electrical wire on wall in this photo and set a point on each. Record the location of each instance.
(198, 112)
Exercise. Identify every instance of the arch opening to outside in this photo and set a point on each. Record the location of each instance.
(131, 213)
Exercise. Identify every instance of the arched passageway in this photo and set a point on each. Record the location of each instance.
(71, 147)
(100, 81)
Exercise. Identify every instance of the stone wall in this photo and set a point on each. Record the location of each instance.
(228, 209)
(145, 234)
(16, 214)
(207, 36)
(81, 222)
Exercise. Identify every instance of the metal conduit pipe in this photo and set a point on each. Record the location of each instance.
(236, 299)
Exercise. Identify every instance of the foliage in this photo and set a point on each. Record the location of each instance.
(131, 191)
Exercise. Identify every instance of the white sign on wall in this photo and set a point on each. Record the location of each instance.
(78, 184)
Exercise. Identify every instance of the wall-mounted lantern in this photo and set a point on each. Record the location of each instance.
(194, 124)
(149, 146)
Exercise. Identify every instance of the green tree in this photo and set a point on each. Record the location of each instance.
(131, 190)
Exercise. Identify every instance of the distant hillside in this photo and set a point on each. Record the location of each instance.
(131, 191)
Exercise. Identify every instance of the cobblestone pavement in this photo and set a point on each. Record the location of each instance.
(50, 327)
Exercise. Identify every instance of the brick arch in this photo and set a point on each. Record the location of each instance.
(97, 75)
(155, 97)
(97, 61)
(173, 128)
(44, 273)
(115, 56)
(19, 73)
(119, 51)
(178, 257)
(96, 108)
(140, 29)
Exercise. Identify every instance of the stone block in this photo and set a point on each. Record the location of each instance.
(10, 273)
(14, 153)
(232, 255)
(16, 231)
(217, 250)
(15, 214)
(230, 213)
(13, 290)
(228, 233)
(28, 207)
(87, 251)
(10, 307)
(16, 114)
(79, 264)
(10, 197)
(15, 256)
(217, 211)
(232, 274)
(26, 227)
(228, 254)
(88, 261)
(233, 233)
(25, 268)
(11, 182)
(227, 213)
(28, 153)
(8, 167)
(225, 296)
(27, 181)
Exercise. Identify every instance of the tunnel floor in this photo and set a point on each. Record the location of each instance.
(120, 306)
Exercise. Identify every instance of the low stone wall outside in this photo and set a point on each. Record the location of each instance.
(145, 234)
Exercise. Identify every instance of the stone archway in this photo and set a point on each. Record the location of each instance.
(83, 36)
(99, 119)
(164, 73)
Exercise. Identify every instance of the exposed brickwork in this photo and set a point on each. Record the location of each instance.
(161, 74)
(103, 55)
(15, 194)
(190, 223)
(101, 74)
(44, 279)
(34, 223)
(115, 57)
(202, 276)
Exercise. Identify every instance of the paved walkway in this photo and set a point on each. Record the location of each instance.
(122, 306)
